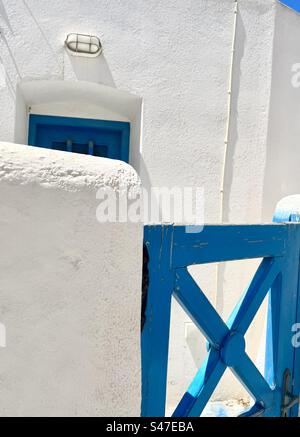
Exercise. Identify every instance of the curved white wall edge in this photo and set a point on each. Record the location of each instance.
(70, 288)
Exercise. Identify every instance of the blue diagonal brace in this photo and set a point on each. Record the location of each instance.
(245, 311)
(195, 399)
(253, 381)
(197, 306)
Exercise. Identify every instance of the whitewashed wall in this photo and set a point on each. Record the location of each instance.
(70, 288)
(176, 56)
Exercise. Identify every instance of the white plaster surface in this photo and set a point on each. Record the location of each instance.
(176, 55)
(70, 288)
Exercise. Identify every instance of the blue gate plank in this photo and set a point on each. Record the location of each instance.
(273, 330)
(227, 243)
(296, 370)
(282, 338)
(155, 337)
(284, 306)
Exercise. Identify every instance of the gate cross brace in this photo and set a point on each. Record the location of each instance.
(227, 342)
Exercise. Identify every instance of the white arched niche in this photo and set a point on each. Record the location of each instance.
(79, 99)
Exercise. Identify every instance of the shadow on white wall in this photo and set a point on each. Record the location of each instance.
(90, 69)
(282, 175)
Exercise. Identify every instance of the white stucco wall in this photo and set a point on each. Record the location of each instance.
(70, 288)
(176, 56)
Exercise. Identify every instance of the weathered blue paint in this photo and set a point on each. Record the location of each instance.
(226, 243)
(109, 139)
(171, 251)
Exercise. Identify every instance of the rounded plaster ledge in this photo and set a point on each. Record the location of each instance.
(288, 209)
(70, 171)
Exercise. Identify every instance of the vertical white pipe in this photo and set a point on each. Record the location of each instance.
(226, 142)
(229, 110)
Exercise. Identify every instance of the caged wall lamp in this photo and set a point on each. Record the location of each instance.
(79, 44)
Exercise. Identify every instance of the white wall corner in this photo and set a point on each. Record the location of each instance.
(70, 288)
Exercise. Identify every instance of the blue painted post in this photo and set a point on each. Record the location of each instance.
(155, 337)
(284, 308)
(296, 371)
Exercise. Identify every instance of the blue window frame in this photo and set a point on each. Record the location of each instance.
(108, 139)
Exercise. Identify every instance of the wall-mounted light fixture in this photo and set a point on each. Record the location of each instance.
(83, 45)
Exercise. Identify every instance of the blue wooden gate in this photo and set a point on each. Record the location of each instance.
(171, 250)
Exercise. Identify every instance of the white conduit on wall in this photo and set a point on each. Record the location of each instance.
(226, 142)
